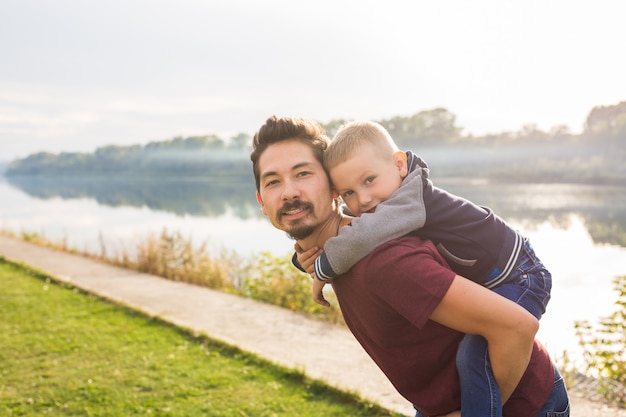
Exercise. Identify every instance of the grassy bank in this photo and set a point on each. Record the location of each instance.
(64, 352)
(274, 280)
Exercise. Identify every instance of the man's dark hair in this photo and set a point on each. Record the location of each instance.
(278, 129)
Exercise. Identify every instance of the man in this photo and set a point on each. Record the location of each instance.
(412, 320)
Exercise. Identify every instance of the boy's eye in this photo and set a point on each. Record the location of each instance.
(369, 180)
(346, 194)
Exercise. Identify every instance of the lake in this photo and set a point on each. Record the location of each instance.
(578, 231)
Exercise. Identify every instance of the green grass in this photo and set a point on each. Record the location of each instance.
(67, 353)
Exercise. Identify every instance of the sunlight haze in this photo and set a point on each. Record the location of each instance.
(76, 75)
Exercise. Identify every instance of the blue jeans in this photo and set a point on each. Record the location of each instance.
(557, 404)
(529, 283)
(529, 286)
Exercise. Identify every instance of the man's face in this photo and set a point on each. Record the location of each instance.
(368, 178)
(294, 191)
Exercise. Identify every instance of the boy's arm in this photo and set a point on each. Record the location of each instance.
(296, 262)
(402, 213)
(507, 327)
(303, 260)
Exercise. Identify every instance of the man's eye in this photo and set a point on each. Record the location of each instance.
(303, 173)
(270, 183)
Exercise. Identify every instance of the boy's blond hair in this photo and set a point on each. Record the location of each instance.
(351, 138)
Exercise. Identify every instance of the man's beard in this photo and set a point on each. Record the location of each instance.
(300, 230)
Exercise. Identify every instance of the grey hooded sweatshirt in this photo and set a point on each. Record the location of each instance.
(477, 244)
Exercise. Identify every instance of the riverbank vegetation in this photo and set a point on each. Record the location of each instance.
(263, 277)
(64, 352)
(274, 280)
(604, 348)
(593, 156)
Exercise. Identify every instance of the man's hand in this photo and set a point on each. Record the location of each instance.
(306, 260)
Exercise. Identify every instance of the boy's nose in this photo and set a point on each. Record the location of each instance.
(364, 199)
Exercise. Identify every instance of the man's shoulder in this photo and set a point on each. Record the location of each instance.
(409, 244)
(410, 240)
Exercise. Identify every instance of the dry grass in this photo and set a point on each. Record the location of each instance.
(171, 255)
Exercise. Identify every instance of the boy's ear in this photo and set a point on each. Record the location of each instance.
(260, 201)
(400, 160)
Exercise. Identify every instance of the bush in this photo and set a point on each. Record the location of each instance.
(276, 281)
(604, 348)
(172, 256)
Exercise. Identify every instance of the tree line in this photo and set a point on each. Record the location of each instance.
(595, 155)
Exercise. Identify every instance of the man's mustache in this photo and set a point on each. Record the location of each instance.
(296, 205)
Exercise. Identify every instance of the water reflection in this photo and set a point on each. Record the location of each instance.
(194, 197)
(603, 208)
(566, 225)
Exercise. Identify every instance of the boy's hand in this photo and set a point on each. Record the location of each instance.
(318, 295)
(307, 258)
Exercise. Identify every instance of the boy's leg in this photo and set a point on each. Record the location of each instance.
(480, 395)
(529, 283)
(529, 286)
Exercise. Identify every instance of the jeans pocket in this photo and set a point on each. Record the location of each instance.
(564, 413)
(558, 400)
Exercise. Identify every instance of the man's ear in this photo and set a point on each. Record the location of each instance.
(400, 161)
(336, 198)
(260, 201)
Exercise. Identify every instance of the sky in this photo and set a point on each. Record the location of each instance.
(76, 75)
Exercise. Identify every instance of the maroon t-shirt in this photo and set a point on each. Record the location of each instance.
(387, 299)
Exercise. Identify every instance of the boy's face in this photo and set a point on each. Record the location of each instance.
(367, 179)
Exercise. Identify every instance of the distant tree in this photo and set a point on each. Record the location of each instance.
(116, 151)
(333, 126)
(203, 142)
(434, 127)
(193, 143)
(34, 164)
(241, 141)
(530, 153)
(562, 133)
(531, 133)
(607, 122)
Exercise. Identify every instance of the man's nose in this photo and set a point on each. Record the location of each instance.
(290, 190)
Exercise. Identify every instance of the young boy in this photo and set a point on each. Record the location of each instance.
(371, 174)
(391, 195)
